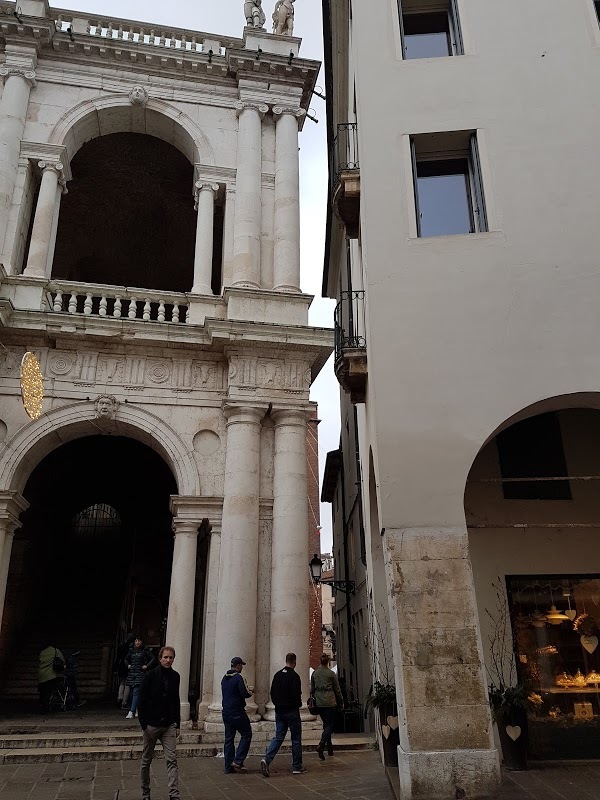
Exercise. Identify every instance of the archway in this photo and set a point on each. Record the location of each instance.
(92, 560)
(533, 513)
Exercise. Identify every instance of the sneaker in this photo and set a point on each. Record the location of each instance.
(136, 713)
(129, 716)
(264, 768)
(238, 768)
(300, 771)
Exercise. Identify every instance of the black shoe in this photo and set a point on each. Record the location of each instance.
(264, 768)
(330, 749)
(321, 751)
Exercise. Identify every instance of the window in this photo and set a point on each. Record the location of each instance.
(533, 448)
(429, 28)
(597, 4)
(448, 189)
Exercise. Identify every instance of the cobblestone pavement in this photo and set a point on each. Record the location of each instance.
(349, 775)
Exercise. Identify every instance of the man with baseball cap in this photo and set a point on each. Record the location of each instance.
(235, 692)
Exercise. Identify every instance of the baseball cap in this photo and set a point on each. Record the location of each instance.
(237, 660)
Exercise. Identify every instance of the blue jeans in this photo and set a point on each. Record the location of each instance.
(327, 714)
(135, 696)
(290, 720)
(236, 723)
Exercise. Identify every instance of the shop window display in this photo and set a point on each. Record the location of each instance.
(556, 628)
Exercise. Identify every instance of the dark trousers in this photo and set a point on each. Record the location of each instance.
(45, 689)
(236, 723)
(327, 714)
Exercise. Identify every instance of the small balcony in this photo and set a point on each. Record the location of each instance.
(345, 177)
(351, 345)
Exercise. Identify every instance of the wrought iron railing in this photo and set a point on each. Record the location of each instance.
(349, 321)
(345, 149)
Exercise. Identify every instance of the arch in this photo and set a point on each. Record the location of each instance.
(38, 438)
(559, 402)
(116, 114)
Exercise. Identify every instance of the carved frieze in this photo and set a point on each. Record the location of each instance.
(131, 372)
(291, 376)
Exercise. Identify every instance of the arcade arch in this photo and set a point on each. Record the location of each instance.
(532, 508)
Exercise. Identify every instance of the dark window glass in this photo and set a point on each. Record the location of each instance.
(444, 197)
(427, 35)
(597, 4)
(533, 449)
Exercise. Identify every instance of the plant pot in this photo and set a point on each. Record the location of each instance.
(514, 751)
(390, 748)
(392, 740)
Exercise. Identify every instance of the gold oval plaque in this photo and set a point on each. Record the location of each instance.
(32, 385)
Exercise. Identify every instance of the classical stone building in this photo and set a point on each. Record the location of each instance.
(149, 231)
(463, 249)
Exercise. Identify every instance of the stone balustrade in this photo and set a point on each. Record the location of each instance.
(117, 302)
(140, 33)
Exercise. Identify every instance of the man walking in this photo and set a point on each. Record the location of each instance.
(160, 718)
(235, 692)
(286, 696)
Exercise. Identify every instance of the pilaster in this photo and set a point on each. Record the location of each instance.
(12, 505)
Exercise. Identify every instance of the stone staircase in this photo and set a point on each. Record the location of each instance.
(118, 745)
(94, 668)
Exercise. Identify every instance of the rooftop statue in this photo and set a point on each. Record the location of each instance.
(255, 16)
(283, 18)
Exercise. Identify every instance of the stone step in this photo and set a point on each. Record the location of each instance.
(130, 751)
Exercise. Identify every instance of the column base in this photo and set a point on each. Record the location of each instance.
(185, 713)
(286, 287)
(245, 285)
(305, 715)
(441, 774)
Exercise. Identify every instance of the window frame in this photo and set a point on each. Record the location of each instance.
(474, 183)
(455, 37)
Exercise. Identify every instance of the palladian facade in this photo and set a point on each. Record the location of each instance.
(150, 260)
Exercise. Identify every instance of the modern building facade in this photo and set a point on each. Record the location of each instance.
(149, 226)
(463, 250)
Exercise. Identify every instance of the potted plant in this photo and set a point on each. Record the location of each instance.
(382, 698)
(509, 699)
(382, 694)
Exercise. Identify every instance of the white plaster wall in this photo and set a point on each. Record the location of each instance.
(467, 330)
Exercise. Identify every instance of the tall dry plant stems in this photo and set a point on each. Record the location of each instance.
(501, 670)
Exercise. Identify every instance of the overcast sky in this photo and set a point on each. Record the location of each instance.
(227, 17)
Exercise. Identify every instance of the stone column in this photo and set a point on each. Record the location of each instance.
(180, 621)
(248, 196)
(210, 692)
(12, 506)
(203, 261)
(446, 741)
(290, 570)
(238, 574)
(287, 200)
(53, 184)
(13, 110)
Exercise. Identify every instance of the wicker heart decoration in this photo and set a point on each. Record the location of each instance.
(386, 730)
(514, 731)
(393, 723)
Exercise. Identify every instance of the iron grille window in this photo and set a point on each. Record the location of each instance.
(449, 197)
(533, 448)
(429, 28)
(98, 520)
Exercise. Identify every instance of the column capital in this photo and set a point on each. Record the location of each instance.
(281, 111)
(204, 186)
(243, 413)
(12, 505)
(58, 167)
(291, 416)
(243, 105)
(196, 509)
(27, 74)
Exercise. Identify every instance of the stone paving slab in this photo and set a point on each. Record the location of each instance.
(348, 776)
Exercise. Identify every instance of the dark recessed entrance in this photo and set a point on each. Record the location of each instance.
(92, 561)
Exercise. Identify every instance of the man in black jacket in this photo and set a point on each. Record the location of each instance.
(160, 718)
(286, 696)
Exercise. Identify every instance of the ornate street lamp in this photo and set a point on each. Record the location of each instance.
(316, 570)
